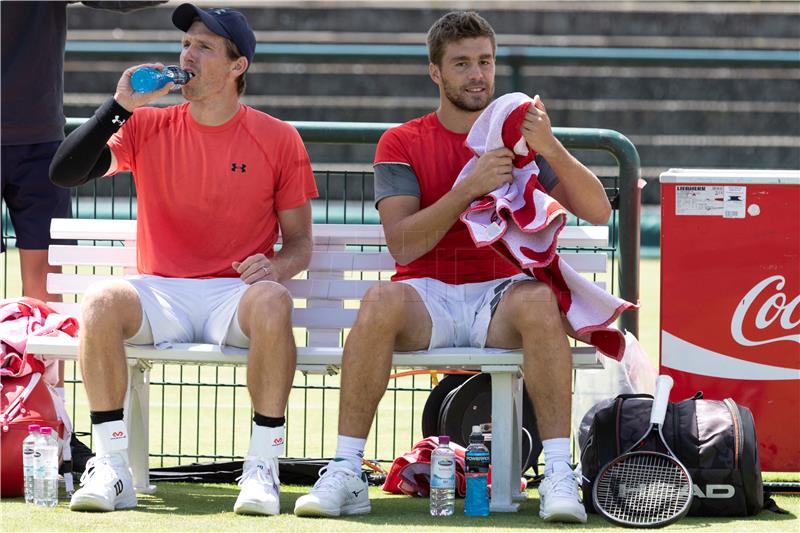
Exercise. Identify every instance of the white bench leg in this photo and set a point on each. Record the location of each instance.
(506, 438)
(138, 417)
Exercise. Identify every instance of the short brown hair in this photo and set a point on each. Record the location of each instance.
(455, 26)
(233, 53)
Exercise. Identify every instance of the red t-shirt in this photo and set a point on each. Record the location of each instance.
(437, 155)
(209, 195)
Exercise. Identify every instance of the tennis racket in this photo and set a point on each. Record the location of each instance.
(645, 488)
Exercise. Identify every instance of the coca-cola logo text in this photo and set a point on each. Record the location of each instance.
(776, 308)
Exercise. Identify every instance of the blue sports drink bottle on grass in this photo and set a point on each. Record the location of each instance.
(476, 461)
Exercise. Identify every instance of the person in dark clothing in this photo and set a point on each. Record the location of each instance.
(33, 40)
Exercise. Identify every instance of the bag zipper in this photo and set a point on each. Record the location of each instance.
(616, 432)
(676, 428)
(737, 430)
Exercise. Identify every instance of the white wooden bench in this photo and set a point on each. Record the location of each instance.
(324, 289)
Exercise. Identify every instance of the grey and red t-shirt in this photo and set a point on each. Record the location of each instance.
(422, 158)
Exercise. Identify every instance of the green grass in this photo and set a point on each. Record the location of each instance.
(213, 421)
(207, 507)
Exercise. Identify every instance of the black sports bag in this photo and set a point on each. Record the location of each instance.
(714, 439)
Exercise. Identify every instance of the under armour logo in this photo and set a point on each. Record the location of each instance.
(235, 167)
(118, 121)
(118, 487)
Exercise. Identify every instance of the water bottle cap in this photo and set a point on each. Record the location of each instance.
(444, 439)
(46, 430)
(33, 427)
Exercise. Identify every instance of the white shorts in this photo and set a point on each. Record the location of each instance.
(460, 314)
(177, 310)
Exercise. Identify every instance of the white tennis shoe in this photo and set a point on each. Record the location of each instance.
(558, 495)
(338, 491)
(260, 488)
(106, 485)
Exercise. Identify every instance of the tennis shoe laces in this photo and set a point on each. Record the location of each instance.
(558, 495)
(260, 487)
(106, 485)
(338, 491)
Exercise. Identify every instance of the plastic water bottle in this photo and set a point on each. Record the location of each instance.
(149, 79)
(45, 463)
(27, 460)
(443, 479)
(477, 461)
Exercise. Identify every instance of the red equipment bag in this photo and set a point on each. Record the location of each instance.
(23, 401)
(25, 396)
(411, 472)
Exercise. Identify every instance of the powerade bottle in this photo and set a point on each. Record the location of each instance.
(477, 461)
(45, 480)
(443, 479)
(149, 79)
(27, 460)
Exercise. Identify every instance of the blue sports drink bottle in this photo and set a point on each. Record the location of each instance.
(148, 79)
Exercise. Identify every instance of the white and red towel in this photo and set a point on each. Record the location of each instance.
(21, 318)
(522, 222)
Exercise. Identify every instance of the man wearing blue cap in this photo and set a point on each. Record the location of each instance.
(216, 181)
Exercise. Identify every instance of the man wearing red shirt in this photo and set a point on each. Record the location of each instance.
(215, 181)
(448, 292)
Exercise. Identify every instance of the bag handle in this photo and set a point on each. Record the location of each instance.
(15, 406)
(633, 396)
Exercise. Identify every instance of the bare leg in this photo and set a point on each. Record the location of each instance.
(528, 316)
(35, 267)
(111, 313)
(392, 317)
(265, 316)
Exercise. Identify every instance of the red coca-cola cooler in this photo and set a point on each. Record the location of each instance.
(730, 297)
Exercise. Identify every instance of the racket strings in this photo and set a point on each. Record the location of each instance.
(643, 489)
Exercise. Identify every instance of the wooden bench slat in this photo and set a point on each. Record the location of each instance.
(93, 229)
(323, 289)
(124, 256)
(321, 261)
(475, 358)
(317, 289)
(324, 234)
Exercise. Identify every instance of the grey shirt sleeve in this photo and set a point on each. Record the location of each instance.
(395, 179)
(547, 176)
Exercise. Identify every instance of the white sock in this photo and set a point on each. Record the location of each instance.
(111, 438)
(351, 449)
(267, 442)
(555, 450)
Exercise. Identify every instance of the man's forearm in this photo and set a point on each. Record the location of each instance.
(84, 155)
(417, 234)
(583, 192)
(293, 257)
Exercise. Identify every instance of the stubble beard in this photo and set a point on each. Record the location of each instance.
(459, 97)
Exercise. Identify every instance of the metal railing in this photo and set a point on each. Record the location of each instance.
(514, 56)
(181, 427)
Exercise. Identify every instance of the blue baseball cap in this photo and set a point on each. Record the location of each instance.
(225, 22)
